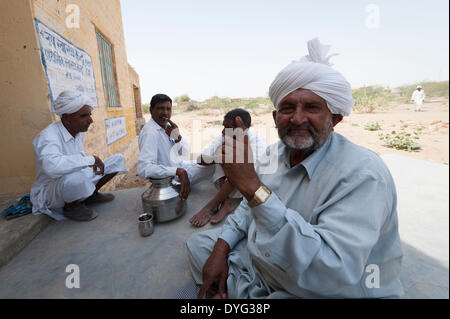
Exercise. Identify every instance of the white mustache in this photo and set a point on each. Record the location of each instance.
(307, 126)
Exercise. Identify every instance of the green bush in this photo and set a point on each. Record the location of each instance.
(192, 106)
(370, 98)
(402, 140)
(182, 98)
(146, 108)
(373, 127)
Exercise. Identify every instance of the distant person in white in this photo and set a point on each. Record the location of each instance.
(162, 149)
(418, 96)
(67, 179)
(228, 196)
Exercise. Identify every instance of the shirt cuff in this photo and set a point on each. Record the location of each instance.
(90, 160)
(271, 214)
(231, 237)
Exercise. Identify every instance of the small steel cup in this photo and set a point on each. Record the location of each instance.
(145, 224)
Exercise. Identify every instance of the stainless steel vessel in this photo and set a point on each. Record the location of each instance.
(145, 222)
(162, 200)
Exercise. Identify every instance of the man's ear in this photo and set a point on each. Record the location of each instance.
(274, 114)
(336, 118)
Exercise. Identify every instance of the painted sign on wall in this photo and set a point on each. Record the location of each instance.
(116, 129)
(67, 66)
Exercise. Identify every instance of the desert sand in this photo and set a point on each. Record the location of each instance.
(201, 126)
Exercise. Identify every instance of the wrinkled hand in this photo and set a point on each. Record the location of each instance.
(98, 167)
(185, 183)
(173, 131)
(216, 270)
(238, 164)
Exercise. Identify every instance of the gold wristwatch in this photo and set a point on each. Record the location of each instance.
(262, 194)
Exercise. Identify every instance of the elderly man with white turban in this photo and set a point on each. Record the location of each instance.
(68, 181)
(418, 96)
(324, 224)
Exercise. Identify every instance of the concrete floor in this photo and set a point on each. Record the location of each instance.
(115, 262)
(423, 212)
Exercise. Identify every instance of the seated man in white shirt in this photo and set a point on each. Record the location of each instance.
(162, 149)
(324, 223)
(228, 197)
(67, 179)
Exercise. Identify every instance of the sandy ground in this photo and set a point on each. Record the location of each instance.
(200, 127)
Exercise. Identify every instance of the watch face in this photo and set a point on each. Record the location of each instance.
(261, 194)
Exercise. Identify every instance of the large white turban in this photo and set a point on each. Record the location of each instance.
(314, 72)
(69, 102)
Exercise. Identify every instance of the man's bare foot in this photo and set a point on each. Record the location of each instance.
(202, 217)
(227, 207)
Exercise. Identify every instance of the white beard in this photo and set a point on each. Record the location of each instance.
(309, 143)
(298, 142)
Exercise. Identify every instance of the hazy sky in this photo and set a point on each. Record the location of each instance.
(235, 48)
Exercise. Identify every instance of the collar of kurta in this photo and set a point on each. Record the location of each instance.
(312, 161)
(65, 133)
(156, 125)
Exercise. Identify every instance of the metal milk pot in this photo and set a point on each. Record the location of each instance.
(162, 200)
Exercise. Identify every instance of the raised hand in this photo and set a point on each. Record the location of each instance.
(237, 159)
(173, 132)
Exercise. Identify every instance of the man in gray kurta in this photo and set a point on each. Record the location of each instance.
(324, 224)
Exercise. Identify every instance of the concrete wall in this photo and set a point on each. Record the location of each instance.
(25, 102)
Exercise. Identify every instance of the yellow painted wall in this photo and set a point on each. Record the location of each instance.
(25, 102)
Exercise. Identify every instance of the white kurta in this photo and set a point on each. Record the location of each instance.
(160, 156)
(418, 97)
(329, 225)
(63, 172)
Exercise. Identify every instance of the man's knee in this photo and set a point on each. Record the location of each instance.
(119, 158)
(115, 164)
(201, 244)
(76, 186)
(193, 243)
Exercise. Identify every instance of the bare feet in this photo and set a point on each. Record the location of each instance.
(227, 207)
(202, 217)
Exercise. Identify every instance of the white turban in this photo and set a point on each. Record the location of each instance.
(314, 72)
(69, 102)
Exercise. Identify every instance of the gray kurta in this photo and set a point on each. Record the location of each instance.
(330, 221)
